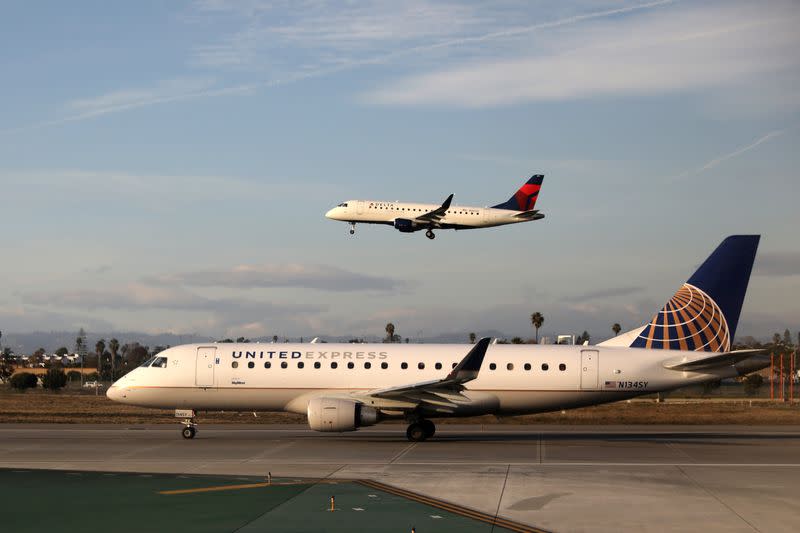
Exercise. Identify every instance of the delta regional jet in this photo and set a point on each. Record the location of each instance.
(408, 218)
(342, 387)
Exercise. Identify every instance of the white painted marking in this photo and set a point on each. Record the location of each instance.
(357, 509)
(372, 495)
(435, 516)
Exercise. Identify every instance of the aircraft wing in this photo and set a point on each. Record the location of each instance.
(442, 393)
(711, 361)
(437, 214)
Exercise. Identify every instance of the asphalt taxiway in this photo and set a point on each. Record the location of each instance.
(559, 478)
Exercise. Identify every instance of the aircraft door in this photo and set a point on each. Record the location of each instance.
(204, 369)
(359, 208)
(589, 368)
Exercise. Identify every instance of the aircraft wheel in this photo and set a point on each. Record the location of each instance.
(429, 234)
(188, 432)
(429, 427)
(352, 232)
(416, 432)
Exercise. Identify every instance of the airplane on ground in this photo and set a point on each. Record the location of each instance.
(342, 387)
(408, 218)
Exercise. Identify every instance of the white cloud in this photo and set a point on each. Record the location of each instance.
(323, 277)
(670, 49)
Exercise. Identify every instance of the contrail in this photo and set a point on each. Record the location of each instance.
(720, 159)
(348, 65)
(739, 151)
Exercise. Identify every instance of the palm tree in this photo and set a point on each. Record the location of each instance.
(274, 339)
(113, 345)
(472, 337)
(99, 348)
(390, 332)
(537, 319)
(616, 328)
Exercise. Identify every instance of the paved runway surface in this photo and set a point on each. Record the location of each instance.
(578, 478)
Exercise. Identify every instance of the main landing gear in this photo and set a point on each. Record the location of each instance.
(430, 234)
(352, 228)
(420, 430)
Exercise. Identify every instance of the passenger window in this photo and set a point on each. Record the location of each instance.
(545, 366)
(492, 366)
(267, 364)
(334, 364)
(235, 364)
(350, 365)
(562, 367)
(421, 366)
(527, 366)
(367, 365)
(284, 364)
(438, 366)
(251, 364)
(384, 365)
(300, 364)
(316, 364)
(510, 366)
(403, 365)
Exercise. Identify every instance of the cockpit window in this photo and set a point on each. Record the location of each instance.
(343, 204)
(160, 362)
(147, 363)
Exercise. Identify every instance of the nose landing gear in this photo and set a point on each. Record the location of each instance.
(189, 424)
(352, 228)
(430, 234)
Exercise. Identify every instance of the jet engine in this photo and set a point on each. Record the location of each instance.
(339, 414)
(405, 225)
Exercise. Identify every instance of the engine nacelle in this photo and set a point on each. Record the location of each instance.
(405, 225)
(339, 414)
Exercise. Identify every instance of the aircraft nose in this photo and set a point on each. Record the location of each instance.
(331, 213)
(115, 393)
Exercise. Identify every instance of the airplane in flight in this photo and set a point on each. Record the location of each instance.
(342, 387)
(408, 218)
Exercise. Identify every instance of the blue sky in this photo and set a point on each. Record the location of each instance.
(166, 166)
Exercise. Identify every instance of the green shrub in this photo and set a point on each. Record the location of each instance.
(73, 375)
(23, 380)
(94, 376)
(54, 379)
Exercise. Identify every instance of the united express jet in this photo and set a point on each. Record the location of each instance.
(342, 387)
(409, 218)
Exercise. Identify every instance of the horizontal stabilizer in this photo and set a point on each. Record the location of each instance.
(717, 360)
(533, 214)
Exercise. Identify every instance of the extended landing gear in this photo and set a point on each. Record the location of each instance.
(189, 424)
(352, 228)
(420, 431)
(429, 234)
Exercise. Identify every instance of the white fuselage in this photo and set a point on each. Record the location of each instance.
(513, 379)
(457, 217)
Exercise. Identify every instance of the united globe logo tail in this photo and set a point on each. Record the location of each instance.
(703, 314)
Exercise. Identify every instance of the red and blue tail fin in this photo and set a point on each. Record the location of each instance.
(703, 314)
(525, 198)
